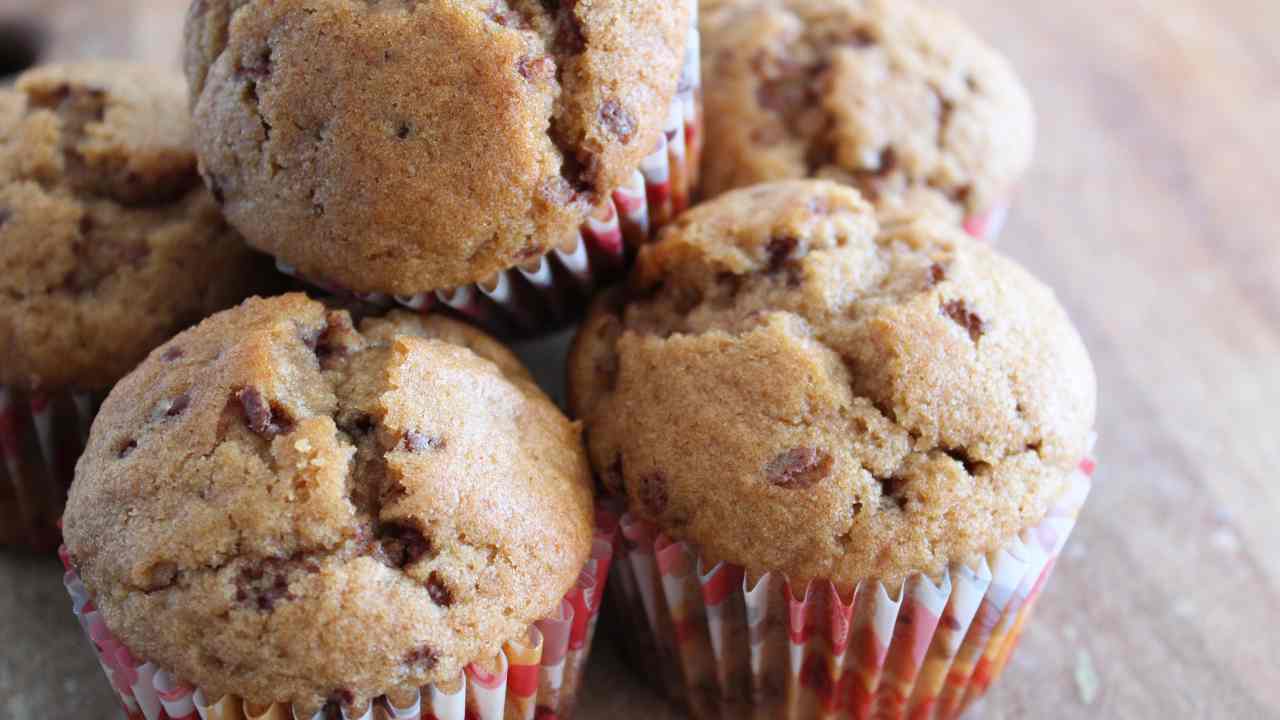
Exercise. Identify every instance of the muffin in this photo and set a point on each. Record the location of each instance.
(398, 481)
(896, 98)
(109, 245)
(493, 157)
(832, 435)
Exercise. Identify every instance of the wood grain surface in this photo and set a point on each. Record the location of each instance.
(1152, 209)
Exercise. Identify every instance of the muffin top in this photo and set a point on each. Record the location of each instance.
(894, 97)
(403, 146)
(794, 388)
(108, 242)
(287, 506)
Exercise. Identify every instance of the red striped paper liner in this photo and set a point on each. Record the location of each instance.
(988, 224)
(41, 437)
(552, 292)
(732, 646)
(538, 675)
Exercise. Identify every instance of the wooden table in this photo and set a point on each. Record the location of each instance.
(1153, 210)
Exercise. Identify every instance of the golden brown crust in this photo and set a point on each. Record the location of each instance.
(103, 225)
(894, 97)
(281, 505)
(405, 146)
(792, 387)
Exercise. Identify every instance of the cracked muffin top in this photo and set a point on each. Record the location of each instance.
(793, 387)
(103, 226)
(896, 98)
(401, 146)
(290, 506)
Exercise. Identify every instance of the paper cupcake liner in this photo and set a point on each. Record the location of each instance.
(987, 224)
(41, 437)
(539, 674)
(733, 646)
(551, 291)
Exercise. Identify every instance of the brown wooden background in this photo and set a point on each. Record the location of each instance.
(1154, 209)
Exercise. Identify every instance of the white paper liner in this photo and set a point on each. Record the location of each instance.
(521, 303)
(41, 436)
(731, 648)
(538, 675)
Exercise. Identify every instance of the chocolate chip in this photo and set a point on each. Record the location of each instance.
(961, 195)
(416, 442)
(337, 340)
(861, 37)
(781, 95)
(5, 215)
(424, 656)
(263, 585)
(440, 593)
(404, 131)
(178, 405)
(539, 68)
(264, 418)
(937, 274)
(172, 353)
(127, 448)
(653, 494)
(787, 87)
(617, 120)
(780, 250)
(342, 696)
(887, 162)
(402, 545)
(960, 315)
(798, 468)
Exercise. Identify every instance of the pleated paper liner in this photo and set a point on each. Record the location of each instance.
(539, 674)
(988, 224)
(550, 292)
(733, 646)
(41, 437)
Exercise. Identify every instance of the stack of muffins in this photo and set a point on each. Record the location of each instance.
(828, 442)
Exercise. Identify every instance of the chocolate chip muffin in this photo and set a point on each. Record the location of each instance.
(894, 97)
(290, 506)
(402, 147)
(108, 245)
(791, 389)
(913, 395)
